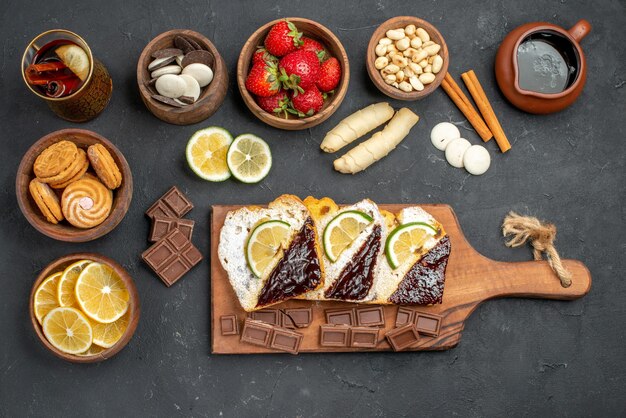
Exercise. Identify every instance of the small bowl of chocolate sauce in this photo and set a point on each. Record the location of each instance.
(540, 67)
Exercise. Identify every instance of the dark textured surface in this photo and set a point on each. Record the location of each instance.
(517, 357)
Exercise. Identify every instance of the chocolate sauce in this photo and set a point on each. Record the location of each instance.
(357, 277)
(423, 283)
(547, 63)
(297, 272)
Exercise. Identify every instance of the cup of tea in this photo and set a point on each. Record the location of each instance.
(58, 67)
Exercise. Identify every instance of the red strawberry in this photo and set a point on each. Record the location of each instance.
(308, 103)
(330, 74)
(262, 56)
(313, 46)
(277, 103)
(299, 70)
(262, 80)
(283, 38)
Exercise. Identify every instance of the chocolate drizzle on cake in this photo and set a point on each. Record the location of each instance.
(423, 284)
(357, 277)
(297, 272)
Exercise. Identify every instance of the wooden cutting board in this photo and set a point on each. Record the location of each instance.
(471, 279)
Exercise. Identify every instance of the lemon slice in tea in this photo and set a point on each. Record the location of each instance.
(249, 158)
(342, 230)
(206, 153)
(75, 58)
(264, 244)
(407, 240)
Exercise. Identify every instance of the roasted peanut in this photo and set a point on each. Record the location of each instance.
(428, 69)
(399, 60)
(416, 42)
(385, 41)
(395, 34)
(381, 62)
(432, 49)
(391, 69)
(403, 44)
(395, 84)
(409, 30)
(391, 48)
(423, 63)
(409, 52)
(427, 78)
(422, 34)
(419, 55)
(437, 63)
(389, 78)
(406, 87)
(381, 50)
(416, 83)
(425, 44)
(408, 72)
(416, 68)
(400, 76)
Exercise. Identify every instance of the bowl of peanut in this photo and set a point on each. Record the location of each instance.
(407, 58)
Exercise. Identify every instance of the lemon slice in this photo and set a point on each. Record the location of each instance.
(46, 296)
(67, 283)
(206, 153)
(249, 158)
(68, 330)
(106, 335)
(75, 58)
(92, 350)
(342, 230)
(264, 244)
(407, 240)
(101, 293)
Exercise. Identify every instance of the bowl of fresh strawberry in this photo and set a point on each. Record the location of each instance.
(293, 73)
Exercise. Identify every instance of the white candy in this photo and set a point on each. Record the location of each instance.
(202, 73)
(442, 134)
(193, 88)
(476, 160)
(156, 62)
(455, 151)
(168, 69)
(170, 85)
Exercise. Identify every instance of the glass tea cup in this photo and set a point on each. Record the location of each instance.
(74, 94)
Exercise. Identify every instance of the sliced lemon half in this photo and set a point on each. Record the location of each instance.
(407, 240)
(67, 283)
(68, 330)
(46, 296)
(249, 158)
(75, 58)
(206, 153)
(342, 230)
(101, 293)
(264, 244)
(106, 335)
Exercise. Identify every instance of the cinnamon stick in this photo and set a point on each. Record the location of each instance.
(461, 101)
(480, 98)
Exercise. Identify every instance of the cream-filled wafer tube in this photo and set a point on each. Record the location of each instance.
(379, 145)
(356, 125)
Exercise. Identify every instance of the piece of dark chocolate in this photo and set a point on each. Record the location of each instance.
(172, 257)
(269, 316)
(256, 332)
(403, 337)
(286, 340)
(173, 204)
(364, 337)
(404, 316)
(187, 100)
(334, 335)
(167, 53)
(229, 325)
(199, 57)
(373, 316)
(193, 42)
(340, 316)
(301, 317)
(428, 323)
(162, 225)
(164, 63)
(183, 44)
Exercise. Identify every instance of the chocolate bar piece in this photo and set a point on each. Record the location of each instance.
(370, 317)
(161, 225)
(172, 257)
(364, 337)
(256, 332)
(340, 316)
(428, 323)
(334, 335)
(229, 325)
(403, 337)
(286, 340)
(286, 321)
(404, 316)
(300, 317)
(173, 204)
(269, 316)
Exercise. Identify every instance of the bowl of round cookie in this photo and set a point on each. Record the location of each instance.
(74, 185)
(182, 77)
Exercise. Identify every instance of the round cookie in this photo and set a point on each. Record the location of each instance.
(455, 150)
(476, 160)
(105, 166)
(86, 202)
(46, 201)
(442, 134)
(78, 169)
(55, 159)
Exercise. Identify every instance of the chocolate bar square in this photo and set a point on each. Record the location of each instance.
(286, 321)
(364, 337)
(300, 317)
(404, 316)
(371, 316)
(256, 332)
(334, 335)
(172, 257)
(161, 225)
(428, 324)
(229, 325)
(173, 204)
(403, 337)
(286, 340)
(269, 316)
(340, 316)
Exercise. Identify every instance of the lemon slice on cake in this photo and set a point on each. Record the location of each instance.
(249, 158)
(101, 293)
(406, 240)
(46, 296)
(342, 230)
(206, 153)
(264, 244)
(68, 330)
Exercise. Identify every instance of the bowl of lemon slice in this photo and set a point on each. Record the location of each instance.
(84, 307)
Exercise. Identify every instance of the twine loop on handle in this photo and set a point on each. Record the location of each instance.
(541, 236)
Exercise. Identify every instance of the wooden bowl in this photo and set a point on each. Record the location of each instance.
(211, 96)
(379, 33)
(310, 29)
(59, 265)
(63, 231)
